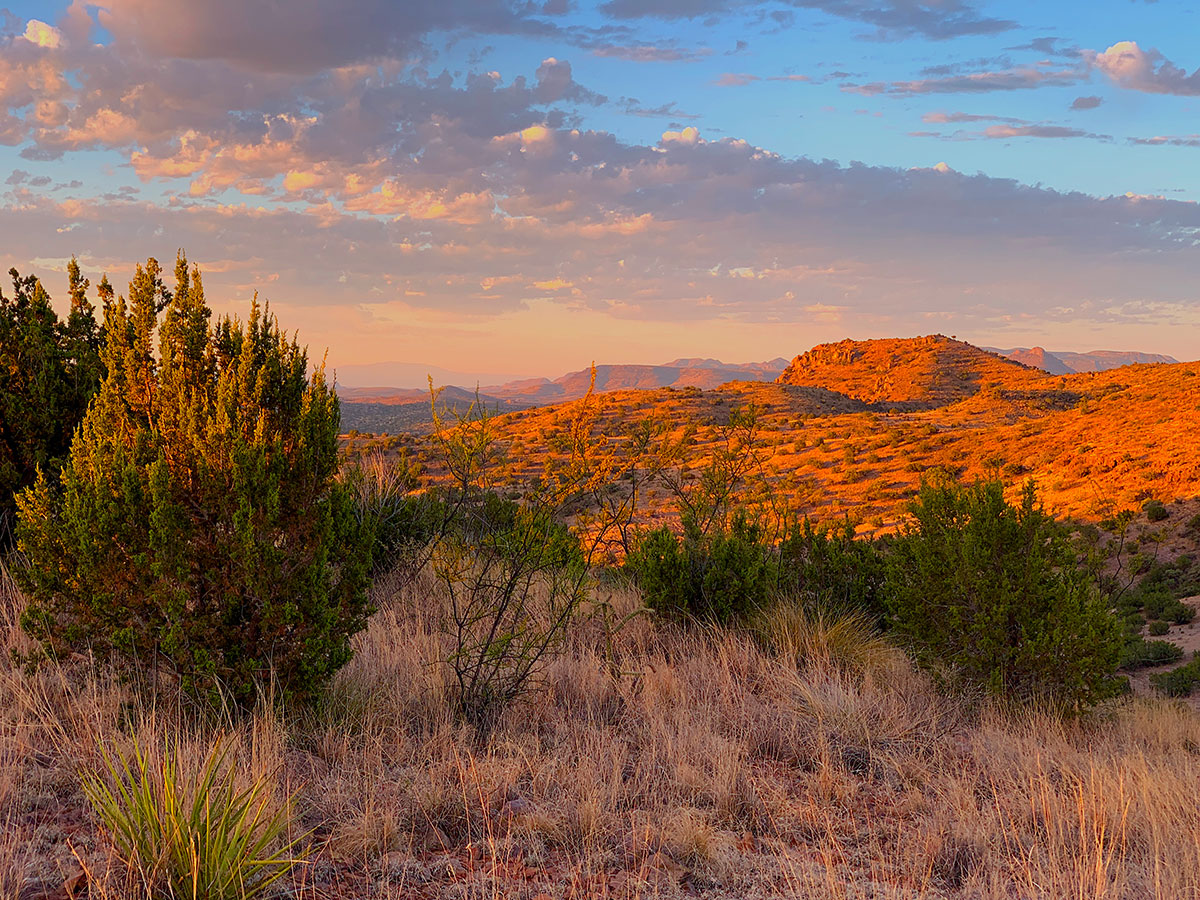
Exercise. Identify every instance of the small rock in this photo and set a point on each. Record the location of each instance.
(518, 806)
(430, 839)
(75, 884)
(448, 866)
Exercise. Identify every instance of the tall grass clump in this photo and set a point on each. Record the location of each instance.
(192, 837)
(849, 641)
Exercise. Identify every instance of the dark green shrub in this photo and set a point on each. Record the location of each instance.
(993, 594)
(1143, 654)
(200, 528)
(715, 577)
(1155, 510)
(49, 370)
(1158, 629)
(1163, 606)
(403, 518)
(1134, 620)
(830, 569)
(1178, 682)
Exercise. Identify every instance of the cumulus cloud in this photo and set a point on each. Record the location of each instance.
(1090, 102)
(689, 135)
(41, 34)
(555, 83)
(1131, 67)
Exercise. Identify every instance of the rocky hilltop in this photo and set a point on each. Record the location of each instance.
(906, 373)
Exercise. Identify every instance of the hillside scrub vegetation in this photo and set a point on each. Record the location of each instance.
(232, 657)
(994, 594)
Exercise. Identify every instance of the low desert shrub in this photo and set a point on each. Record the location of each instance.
(1142, 654)
(1155, 510)
(991, 594)
(514, 578)
(718, 576)
(1163, 606)
(829, 569)
(1178, 682)
(1159, 628)
(192, 836)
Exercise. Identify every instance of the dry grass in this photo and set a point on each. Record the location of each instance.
(667, 763)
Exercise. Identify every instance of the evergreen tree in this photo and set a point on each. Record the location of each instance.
(49, 370)
(200, 526)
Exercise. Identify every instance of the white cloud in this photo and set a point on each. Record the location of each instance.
(43, 35)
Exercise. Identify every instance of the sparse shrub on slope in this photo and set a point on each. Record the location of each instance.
(1155, 510)
(513, 575)
(515, 578)
(1180, 681)
(993, 594)
(49, 369)
(199, 526)
(1139, 653)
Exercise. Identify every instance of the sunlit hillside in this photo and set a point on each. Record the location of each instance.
(852, 427)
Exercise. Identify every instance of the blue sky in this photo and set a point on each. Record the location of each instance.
(526, 186)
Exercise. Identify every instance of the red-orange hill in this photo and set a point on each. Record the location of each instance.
(851, 427)
(909, 373)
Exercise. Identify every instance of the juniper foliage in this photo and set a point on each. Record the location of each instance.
(992, 594)
(200, 526)
(49, 369)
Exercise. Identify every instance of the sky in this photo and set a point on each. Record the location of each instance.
(524, 186)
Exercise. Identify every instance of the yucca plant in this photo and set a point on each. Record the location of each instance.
(192, 838)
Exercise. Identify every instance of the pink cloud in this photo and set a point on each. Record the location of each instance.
(1131, 67)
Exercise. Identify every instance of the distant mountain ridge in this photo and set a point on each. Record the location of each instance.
(893, 373)
(1065, 362)
(393, 408)
(679, 373)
